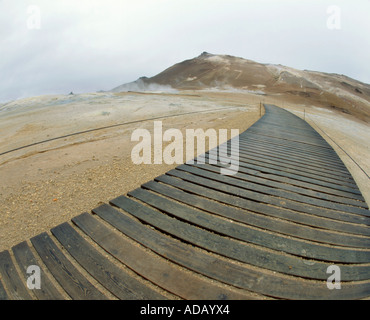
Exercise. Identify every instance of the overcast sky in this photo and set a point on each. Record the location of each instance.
(58, 46)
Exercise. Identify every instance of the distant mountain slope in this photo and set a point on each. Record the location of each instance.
(225, 72)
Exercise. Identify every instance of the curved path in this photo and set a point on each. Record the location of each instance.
(275, 229)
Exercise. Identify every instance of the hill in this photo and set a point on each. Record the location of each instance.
(225, 72)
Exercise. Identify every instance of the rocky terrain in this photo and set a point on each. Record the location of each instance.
(209, 71)
(61, 155)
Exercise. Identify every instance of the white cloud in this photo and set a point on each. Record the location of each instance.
(87, 45)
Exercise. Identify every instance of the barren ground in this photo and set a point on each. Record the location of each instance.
(49, 183)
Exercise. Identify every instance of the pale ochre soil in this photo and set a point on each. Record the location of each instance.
(47, 184)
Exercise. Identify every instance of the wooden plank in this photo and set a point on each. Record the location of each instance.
(301, 170)
(275, 141)
(289, 128)
(278, 123)
(222, 228)
(3, 294)
(290, 125)
(268, 133)
(281, 127)
(291, 149)
(295, 160)
(275, 134)
(169, 276)
(281, 121)
(253, 176)
(327, 154)
(317, 178)
(352, 191)
(284, 141)
(226, 247)
(16, 288)
(278, 132)
(205, 171)
(265, 168)
(228, 271)
(290, 179)
(114, 279)
(305, 165)
(295, 246)
(25, 258)
(297, 147)
(302, 154)
(287, 125)
(283, 203)
(71, 280)
(260, 221)
(264, 209)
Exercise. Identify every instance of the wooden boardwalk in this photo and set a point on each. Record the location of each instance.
(271, 231)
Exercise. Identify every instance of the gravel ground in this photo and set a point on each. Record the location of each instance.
(50, 183)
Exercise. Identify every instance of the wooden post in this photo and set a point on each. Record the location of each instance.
(260, 109)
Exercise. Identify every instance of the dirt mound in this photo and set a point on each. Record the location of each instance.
(225, 72)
